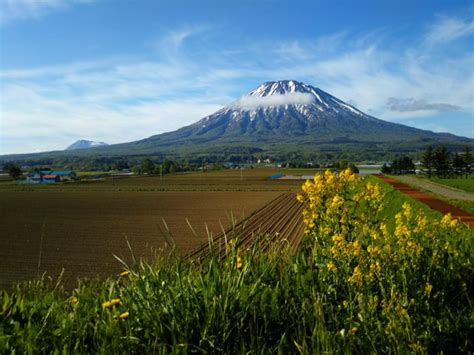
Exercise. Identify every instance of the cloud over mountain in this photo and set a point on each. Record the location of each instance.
(293, 98)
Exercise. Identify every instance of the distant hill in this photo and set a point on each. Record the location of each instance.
(85, 144)
(279, 118)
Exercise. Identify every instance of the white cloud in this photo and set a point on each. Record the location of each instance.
(447, 29)
(253, 102)
(12, 10)
(170, 45)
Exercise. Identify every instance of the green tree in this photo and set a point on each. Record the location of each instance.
(386, 169)
(428, 160)
(407, 166)
(442, 161)
(467, 158)
(13, 170)
(148, 166)
(137, 170)
(457, 164)
(166, 166)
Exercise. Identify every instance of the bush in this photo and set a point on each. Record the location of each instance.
(407, 287)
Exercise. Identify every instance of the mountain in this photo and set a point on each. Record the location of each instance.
(290, 113)
(85, 144)
(284, 119)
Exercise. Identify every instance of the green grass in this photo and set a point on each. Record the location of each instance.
(274, 303)
(460, 183)
(397, 198)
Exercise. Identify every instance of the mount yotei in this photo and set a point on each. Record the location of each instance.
(284, 111)
(279, 118)
(291, 116)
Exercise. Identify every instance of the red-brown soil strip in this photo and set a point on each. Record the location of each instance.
(434, 203)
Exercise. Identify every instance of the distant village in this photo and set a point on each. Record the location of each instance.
(50, 176)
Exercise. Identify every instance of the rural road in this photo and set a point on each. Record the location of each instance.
(448, 192)
(432, 202)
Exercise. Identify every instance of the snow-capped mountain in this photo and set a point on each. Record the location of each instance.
(286, 112)
(286, 104)
(85, 144)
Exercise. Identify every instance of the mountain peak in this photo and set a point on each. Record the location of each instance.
(274, 96)
(85, 144)
(281, 87)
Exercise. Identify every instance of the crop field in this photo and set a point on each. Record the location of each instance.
(80, 231)
(276, 226)
(224, 180)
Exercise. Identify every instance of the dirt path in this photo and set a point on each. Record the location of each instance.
(448, 192)
(434, 203)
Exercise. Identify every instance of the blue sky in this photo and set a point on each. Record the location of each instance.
(122, 70)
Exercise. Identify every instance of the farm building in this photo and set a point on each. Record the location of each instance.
(50, 179)
(50, 176)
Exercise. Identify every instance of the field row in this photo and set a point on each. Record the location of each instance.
(275, 226)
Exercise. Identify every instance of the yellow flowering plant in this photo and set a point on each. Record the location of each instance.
(388, 265)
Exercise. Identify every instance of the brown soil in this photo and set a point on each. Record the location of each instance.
(80, 231)
(434, 203)
(276, 226)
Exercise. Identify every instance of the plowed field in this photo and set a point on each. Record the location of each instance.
(48, 230)
(277, 225)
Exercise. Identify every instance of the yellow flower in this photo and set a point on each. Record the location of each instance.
(375, 267)
(331, 266)
(337, 238)
(300, 198)
(124, 273)
(124, 315)
(406, 209)
(238, 264)
(230, 244)
(428, 288)
(111, 303)
(336, 201)
(375, 251)
(356, 277)
(74, 300)
(446, 220)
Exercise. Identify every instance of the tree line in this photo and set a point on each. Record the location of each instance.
(437, 161)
